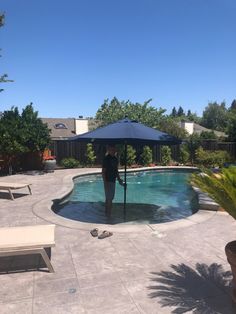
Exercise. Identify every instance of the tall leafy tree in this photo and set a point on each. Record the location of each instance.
(231, 122)
(115, 110)
(10, 135)
(171, 126)
(180, 112)
(215, 116)
(231, 127)
(35, 134)
(189, 113)
(193, 117)
(22, 133)
(233, 105)
(173, 112)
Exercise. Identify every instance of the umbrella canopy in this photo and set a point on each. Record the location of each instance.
(127, 131)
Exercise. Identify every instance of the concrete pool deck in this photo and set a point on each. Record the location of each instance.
(164, 268)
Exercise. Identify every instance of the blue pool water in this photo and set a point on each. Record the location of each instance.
(152, 197)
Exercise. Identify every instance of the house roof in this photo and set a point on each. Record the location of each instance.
(198, 129)
(61, 128)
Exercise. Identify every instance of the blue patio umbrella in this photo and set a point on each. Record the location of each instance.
(126, 132)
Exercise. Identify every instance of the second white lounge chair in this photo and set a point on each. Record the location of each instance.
(28, 240)
(14, 186)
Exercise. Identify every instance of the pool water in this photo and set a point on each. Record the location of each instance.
(152, 197)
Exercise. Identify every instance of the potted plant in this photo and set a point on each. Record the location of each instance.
(49, 161)
(222, 188)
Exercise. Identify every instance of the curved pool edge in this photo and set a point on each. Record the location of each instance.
(43, 208)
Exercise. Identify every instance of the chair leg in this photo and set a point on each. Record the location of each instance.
(47, 261)
(11, 195)
(30, 192)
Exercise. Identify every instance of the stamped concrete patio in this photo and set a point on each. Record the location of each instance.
(177, 267)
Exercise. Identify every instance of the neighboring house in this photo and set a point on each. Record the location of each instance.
(65, 128)
(192, 127)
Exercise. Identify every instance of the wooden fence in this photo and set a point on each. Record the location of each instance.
(230, 147)
(63, 149)
(77, 150)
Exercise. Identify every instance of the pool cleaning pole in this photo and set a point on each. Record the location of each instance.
(125, 186)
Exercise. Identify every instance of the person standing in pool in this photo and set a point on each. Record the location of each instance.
(110, 174)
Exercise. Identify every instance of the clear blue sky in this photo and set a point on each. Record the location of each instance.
(68, 56)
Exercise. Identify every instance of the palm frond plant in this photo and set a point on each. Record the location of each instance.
(219, 186)
(222, 188)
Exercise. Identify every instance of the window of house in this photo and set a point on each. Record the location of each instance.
(60, 126)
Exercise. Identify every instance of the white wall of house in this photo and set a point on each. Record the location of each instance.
(81, 126)
(188, 126)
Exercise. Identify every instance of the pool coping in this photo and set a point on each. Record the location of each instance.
(43, 208)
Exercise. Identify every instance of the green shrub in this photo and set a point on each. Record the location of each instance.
(69, 162)
(215, 158)
(193, 143)
(90, 155)
(146, 156)
(184, 154)
(165, 155)
(131, 156)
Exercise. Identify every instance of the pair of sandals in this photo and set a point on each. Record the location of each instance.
(103, 235)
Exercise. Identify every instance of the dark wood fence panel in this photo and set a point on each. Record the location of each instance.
(230, 147)
(77, 150)
(64, 149)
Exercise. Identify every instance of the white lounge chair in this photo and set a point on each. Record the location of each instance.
(14, 186)
(28, 240)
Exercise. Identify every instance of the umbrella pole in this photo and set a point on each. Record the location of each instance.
(125, 186)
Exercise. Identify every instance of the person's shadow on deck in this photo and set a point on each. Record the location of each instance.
(204, 290)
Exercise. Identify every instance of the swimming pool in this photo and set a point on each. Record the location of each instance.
(152, 197)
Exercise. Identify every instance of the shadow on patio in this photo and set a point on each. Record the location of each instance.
(205, 289)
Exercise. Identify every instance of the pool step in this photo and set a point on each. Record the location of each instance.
(205, 202)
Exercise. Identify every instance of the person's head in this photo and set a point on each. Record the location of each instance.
(111, 150)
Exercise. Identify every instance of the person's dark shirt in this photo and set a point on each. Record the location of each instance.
(110, 163)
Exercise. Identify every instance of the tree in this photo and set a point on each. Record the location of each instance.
(173, 112)
(3, 77)
(180, 112)
(231, 127)
(35, 134)
(19, 134)
(193, 117)
(115, 110)
(170, 126)
(233, 105)
(10, 141)
(215, 116)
